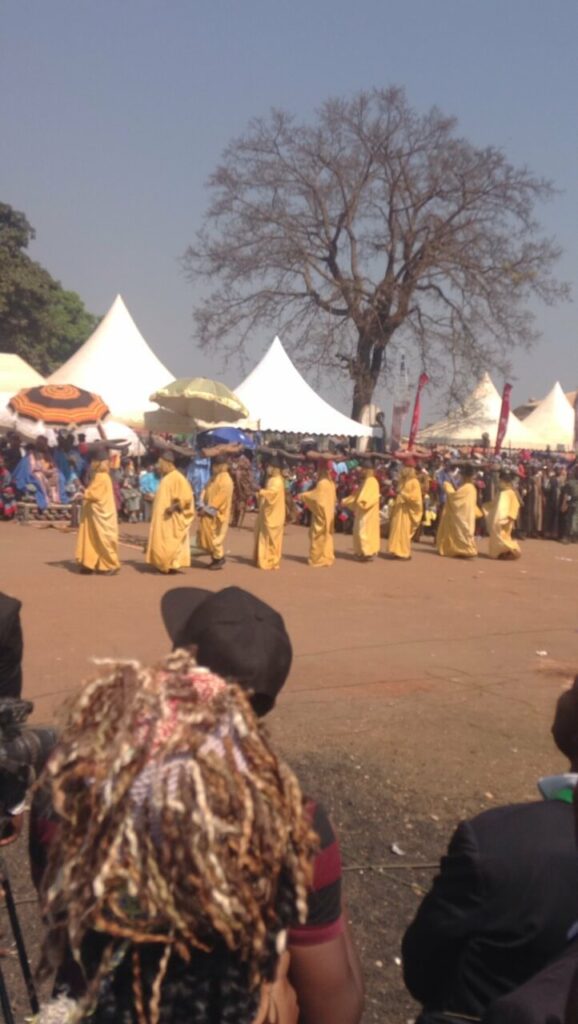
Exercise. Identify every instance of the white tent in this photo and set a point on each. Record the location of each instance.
(552, 421)
(279, 398)
(480, 415)
(117, 364)
(15, 374)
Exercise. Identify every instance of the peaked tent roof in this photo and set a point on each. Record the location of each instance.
(16, 373)
(279, 398)
(480, 415)
(117, 363)
(552, 421)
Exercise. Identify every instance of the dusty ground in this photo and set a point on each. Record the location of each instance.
(413, 700)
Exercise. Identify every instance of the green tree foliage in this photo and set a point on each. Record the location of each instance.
(39, 320)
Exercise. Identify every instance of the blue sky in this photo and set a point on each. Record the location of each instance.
(114, 113)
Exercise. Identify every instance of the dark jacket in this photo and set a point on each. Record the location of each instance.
(11, 647)
(499, 910)
(541, 1000)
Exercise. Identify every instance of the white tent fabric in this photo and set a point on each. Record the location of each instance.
(15, 374)
(117, 364)
(552, 421)
(480, 415)
(279, 398)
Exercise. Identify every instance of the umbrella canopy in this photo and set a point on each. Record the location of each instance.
(59, 405)
(200, 399)
(225, 435)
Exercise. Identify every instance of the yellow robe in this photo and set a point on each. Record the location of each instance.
(365, 505)
(270, 522)
(213, 529)
(456, 534)
(501, 516)
(168, 545)
(321, 503)
(97, 542)
(405, 518)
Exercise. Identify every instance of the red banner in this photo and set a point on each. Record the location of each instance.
(504, 417)
(423, 380)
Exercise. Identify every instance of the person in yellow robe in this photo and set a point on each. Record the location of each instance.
(173, 512)
(365, 505)
(271, 518)
(501, 517)
(321, 503)
(97, 542)
(406, 515)
(215, 513)
(456, 536)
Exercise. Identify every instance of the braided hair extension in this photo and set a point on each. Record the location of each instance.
(183, 838)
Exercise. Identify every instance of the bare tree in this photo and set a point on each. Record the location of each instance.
(370, 223)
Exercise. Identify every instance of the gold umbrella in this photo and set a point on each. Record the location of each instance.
(199, 398)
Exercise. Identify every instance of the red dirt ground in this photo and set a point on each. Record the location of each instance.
(413, 699)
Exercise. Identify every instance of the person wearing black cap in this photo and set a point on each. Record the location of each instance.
(11, 647)
(173, 512)
(245, 641)
(215, 512)
(97, 542)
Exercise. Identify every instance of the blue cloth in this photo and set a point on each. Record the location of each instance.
(225, 435)
(198, 474)
(149, 482)
(23, 478)
(66, 475)
(442, 477)
(80, 463)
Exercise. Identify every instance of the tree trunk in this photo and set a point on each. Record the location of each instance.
(365, 373)
(363, 388)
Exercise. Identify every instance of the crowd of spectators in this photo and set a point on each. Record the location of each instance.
(50, 477)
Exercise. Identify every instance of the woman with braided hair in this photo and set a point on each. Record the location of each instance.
(184, 852)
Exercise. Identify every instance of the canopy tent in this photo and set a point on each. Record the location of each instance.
(479, 415)
(15, 374)
(279, 398)
(117, 363)
(552, 422)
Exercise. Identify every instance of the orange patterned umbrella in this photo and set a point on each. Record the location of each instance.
(59, 405)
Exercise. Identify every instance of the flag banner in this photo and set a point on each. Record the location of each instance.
(423, 380)
(504, 417)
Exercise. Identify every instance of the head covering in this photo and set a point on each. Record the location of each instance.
(11, 647)
(167, 455)
(99, 454)
(236, 635)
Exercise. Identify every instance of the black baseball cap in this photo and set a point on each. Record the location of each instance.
(236, 635)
